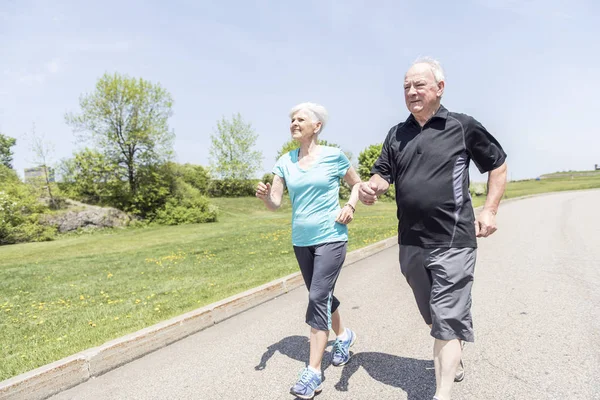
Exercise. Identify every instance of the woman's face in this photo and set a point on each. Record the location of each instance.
(302, 127)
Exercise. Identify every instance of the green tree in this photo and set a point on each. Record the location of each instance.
(6, 154)
(366, 160)
(90, 178)
(127, 120)
(231, 154)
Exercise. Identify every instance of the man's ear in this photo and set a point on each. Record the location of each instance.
(441, 86)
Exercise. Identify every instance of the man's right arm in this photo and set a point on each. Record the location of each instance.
(378, 184)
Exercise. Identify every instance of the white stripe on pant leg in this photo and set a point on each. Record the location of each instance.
(329, 301)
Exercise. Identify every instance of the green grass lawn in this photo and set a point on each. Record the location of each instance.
(61, 297)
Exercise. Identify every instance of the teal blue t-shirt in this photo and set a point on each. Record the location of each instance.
(314, 194)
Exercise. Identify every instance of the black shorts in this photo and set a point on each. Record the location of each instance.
(320, 266)
(441, 280)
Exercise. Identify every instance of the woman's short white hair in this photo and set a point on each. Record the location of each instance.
(436, 68)
(317, 112)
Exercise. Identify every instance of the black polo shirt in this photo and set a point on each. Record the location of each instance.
(430, 169)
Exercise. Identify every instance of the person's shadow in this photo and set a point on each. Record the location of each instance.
(296, 348)
(415, 377)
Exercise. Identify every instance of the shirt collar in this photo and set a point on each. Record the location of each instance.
(441, 113)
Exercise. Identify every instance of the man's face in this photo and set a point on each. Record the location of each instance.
(421, 92)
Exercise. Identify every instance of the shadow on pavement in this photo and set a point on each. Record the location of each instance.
(296, 348)
(415, 377)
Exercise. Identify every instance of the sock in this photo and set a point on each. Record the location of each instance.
(316, 371)
(344, 336)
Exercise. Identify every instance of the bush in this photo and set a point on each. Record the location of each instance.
(232, 187)
(186, 206)
(174, 213)
(195, 175)
(20, 211)
(267, 178)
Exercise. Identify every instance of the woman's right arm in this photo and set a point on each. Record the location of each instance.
(271, 195)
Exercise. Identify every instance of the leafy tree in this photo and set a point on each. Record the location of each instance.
(127, 120)
(90, 178)
(6, 154)
(366, 160)
(231, 154)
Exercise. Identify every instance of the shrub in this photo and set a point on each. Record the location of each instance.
(232, 187)
(267, 178)
(195, 175)
(186, 206)
(20, 211)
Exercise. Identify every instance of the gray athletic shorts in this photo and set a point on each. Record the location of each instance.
(441, 280)
(320, 266)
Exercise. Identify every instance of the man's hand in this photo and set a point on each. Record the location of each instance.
(367, 193)
(485, 224)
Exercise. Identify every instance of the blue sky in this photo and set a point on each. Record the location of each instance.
(527, 69)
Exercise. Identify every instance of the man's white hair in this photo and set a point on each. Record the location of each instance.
(317, 112)
(436, 68)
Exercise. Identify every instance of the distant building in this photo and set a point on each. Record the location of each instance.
(37, 173)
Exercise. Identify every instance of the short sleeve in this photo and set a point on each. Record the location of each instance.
(278, 169)
(484, 149)
(343, 164)
(383, 165)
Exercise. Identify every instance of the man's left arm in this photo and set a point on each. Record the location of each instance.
(485, 224)
(489, 157)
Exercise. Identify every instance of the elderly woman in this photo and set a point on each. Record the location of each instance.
(319, 233)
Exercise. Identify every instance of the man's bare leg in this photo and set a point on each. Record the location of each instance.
(446, 357)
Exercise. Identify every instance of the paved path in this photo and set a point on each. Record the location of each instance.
(536, 311)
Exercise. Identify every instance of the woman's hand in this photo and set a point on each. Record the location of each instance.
(346, 215)
(263, 190)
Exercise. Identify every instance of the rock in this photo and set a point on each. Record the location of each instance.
(90, 217)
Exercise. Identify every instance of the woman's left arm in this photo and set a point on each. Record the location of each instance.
(346, 215)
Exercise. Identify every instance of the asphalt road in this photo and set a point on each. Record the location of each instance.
(536, 309)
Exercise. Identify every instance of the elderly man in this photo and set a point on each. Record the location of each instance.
(427, 158)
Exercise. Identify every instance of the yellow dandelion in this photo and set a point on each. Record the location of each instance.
(109, 275)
